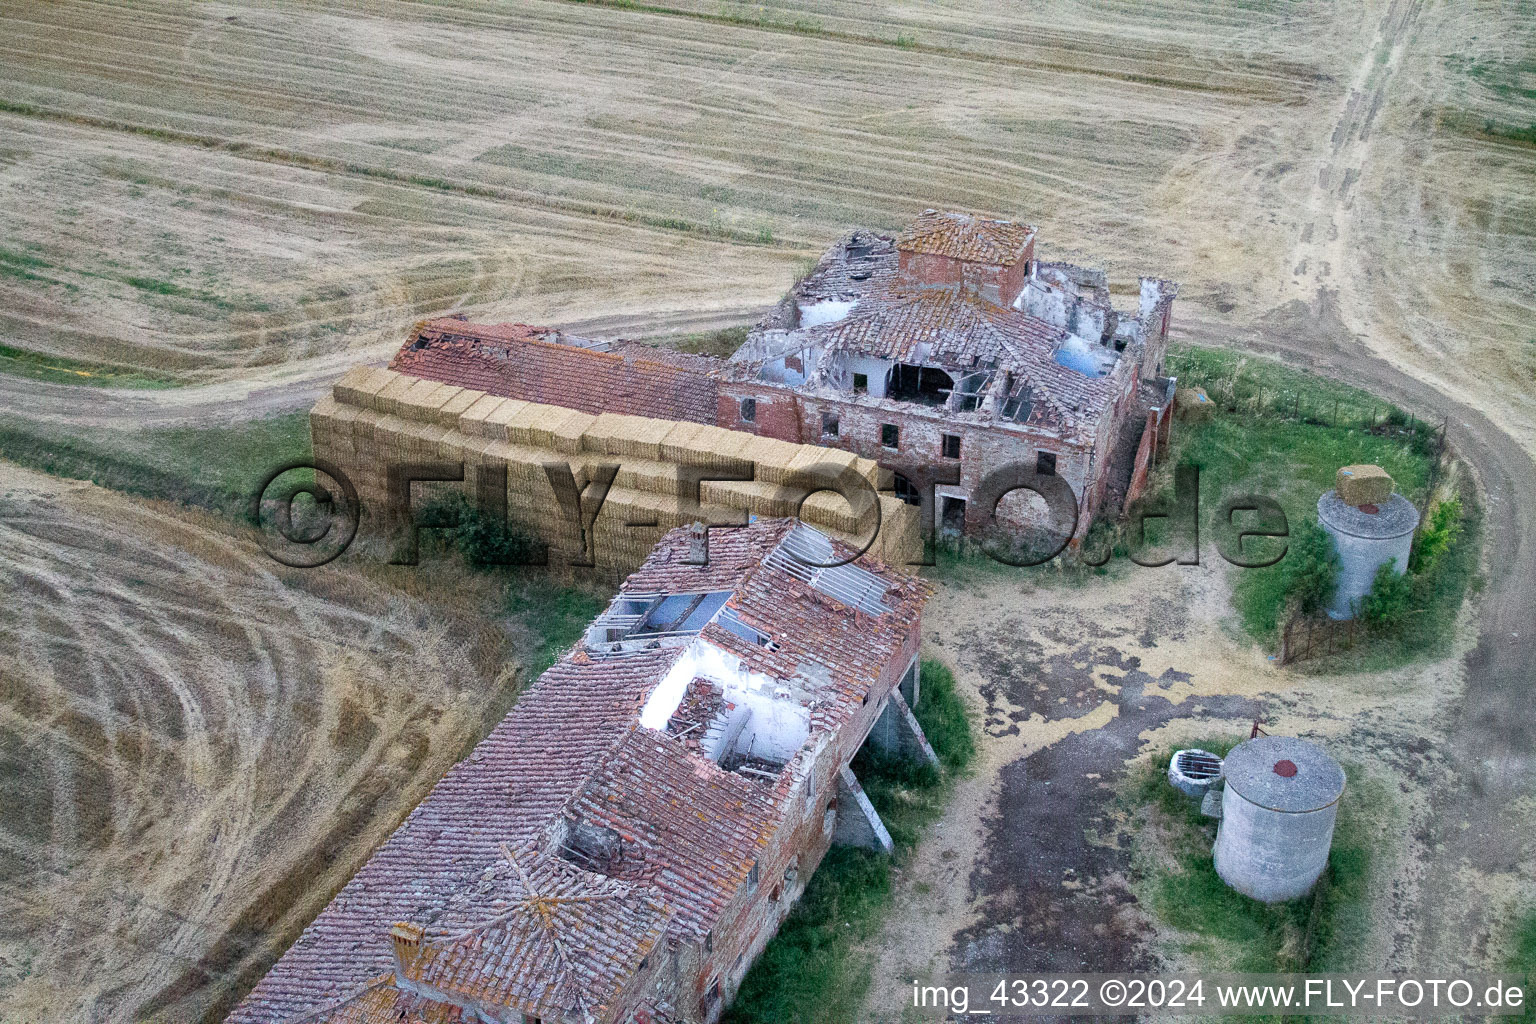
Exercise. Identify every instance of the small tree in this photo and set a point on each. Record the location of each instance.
(1313, 568)
(1390, 599)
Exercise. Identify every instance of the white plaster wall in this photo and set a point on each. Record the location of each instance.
(876, 369)
(771, 721)
(824, 312)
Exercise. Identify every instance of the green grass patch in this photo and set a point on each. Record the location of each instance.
(809, 973)
(722, 343)
(1523, 961)
(209, 467)
(556, 613)
(57, 369)
(1241, 383)
(1324, 932)
(1284, 433)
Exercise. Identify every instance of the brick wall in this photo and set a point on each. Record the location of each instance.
(920, 440)
(752, 920)
(997, 284)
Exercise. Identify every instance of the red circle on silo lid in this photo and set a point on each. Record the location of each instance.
(1370, 510)
(1285, 769)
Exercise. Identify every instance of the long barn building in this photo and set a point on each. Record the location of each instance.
(626, 841)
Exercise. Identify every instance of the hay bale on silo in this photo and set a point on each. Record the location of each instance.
(1363, 485)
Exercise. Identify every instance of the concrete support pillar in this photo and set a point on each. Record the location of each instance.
(912, 683)
(896, 731)
(857, 823)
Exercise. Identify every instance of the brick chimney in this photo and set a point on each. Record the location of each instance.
(407, 946)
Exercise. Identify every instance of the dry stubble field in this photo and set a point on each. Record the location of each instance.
(197, 747)
(197, 188)
(203, 188)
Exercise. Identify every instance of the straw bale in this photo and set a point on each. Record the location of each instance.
(756, 496)
(387, 401)
(825, 508)
(675, 445)
(423, 398)
(715, 447)
(655, 477)
(771, 456)
(531, 424)
(472, 422)
(901, 541)
(359, 385)
(497, 423)
(567, 436)
(449, 412)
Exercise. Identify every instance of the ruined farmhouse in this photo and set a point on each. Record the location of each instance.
(626, 841)
(940, 355)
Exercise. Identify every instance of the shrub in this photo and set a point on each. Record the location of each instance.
(1442, 531)
(482, 540)
(1391, 597)
(1313, 568)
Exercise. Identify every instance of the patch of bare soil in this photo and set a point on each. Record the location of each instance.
(197, 747)
(1031, 869)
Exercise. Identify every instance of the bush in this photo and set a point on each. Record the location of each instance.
(1312, 568)
(482, 540)
(1391, 598)
(1437, 537)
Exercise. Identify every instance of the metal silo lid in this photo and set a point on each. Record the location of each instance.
(1283, 773)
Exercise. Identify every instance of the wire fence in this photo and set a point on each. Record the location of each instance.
(1312, 636)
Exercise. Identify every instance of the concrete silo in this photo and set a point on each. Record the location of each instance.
(1370, 526)
(1277, 816)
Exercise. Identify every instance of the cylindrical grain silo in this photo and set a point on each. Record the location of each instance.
(1367, 534)
(1277, 814)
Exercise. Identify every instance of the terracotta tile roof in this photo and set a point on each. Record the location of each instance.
(690, 828)
(964, 237)
(506, 791)
(520, 361)
(838, 651)
(383, 1002)
(559, 942)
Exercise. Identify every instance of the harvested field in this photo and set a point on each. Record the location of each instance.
(196, 191)
(241, 185)
(195, 750)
